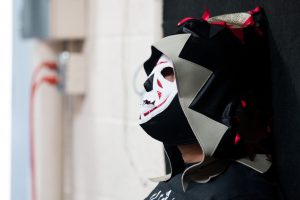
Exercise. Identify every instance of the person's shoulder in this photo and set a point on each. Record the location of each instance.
(240, 182)
(171, 189)
(237, 182)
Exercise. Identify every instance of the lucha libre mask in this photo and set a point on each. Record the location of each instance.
(161, 115)
(215, 60)
(160, 92)
(218, 62)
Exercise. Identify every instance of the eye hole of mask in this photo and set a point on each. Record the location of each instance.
(168, 73)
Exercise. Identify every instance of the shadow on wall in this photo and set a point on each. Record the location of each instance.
(286, 125)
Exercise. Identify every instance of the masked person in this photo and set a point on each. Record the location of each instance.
(207, 100)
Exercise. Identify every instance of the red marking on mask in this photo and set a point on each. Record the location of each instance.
(255, 10)
(239, 33)
(249, 22)
(159, 84)
(184, 20)
(237, 138)
(159, 94)
(243, 103)
(206, 15)
(219, 23)
(151, 110)
(161, 62)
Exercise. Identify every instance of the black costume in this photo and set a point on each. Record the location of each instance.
(238, 182)
(219, 101)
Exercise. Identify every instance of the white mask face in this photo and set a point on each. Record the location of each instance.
(160, 91)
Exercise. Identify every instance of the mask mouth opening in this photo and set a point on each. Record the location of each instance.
(155, 107)
(170, 126)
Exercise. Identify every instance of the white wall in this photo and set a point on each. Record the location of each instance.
(106, 154)
(112, 157)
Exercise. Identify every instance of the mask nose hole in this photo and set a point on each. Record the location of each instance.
(148, 85)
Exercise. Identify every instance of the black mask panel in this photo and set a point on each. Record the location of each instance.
(171, 126)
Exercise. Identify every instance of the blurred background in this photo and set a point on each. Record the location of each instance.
(71, 80)
(76, 81)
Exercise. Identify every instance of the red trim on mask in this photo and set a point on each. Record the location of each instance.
(255, 10)
(239, 33)
(244, 104)
(220, 23)
(184, 20)
(206, 14)
(237, 138)
(249, 22)
(161, 62)
(205, 17)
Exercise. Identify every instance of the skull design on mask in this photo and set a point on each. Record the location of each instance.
(159, 91)
(161, 115)
(214, 60)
